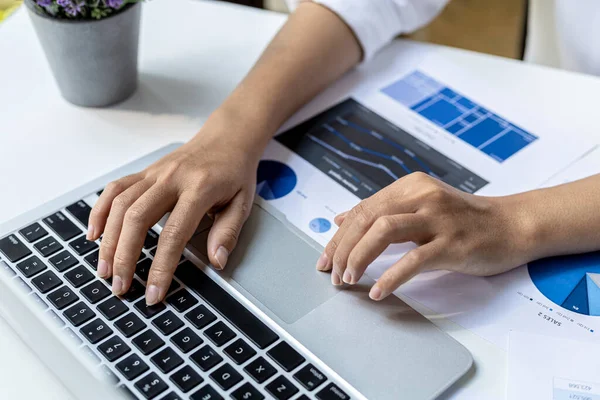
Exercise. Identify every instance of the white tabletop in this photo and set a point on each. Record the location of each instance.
(192, 55)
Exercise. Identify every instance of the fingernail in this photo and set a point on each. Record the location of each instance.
(117, 285)
(90, 232)
(152, 295)
(221, 255)
(102, 268)
(375, 293)
(322, 262)
(347, 277)
(335, 279)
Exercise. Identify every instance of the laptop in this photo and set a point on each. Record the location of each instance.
(267, 327)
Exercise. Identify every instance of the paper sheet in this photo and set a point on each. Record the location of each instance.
(546, 368)
(438, 118)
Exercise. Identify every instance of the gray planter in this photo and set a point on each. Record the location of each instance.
(95, 63)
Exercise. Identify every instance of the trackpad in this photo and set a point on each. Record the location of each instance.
(277, 267)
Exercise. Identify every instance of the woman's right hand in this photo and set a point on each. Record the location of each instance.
(209, 174)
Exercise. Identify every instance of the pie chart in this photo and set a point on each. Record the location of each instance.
(275, 180)
(320, 225)
(572, 282)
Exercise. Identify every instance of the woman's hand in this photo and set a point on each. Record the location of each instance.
(453, 230)
(209, 174)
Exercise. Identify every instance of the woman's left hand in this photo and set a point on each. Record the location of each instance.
(453, 230)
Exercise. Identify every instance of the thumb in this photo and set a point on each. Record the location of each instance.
(225, 231)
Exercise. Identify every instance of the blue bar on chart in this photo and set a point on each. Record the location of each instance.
(460, 116)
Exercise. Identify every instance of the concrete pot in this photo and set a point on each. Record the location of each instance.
(94, 63)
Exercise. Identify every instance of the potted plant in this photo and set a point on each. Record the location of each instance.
(91, 46)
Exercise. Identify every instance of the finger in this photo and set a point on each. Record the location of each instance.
(101, 209)
(143, 214)
(178, 230)
(225, 231)
(339, 219)
(112, 231)
(386, 230)
(421, 258)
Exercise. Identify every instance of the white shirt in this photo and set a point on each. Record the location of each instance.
(562, 33)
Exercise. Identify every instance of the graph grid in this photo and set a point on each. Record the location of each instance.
(364, 152)
(459, 116)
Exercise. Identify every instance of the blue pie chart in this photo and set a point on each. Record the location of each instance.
(275, 180)
(320, 225)
(572, 282)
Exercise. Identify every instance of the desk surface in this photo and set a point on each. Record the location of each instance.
(192, 55)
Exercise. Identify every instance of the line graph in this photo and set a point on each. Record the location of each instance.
(364, 152)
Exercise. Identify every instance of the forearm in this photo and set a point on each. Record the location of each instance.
(313, 49)
(559, 220)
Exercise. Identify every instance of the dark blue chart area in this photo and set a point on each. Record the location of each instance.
(274, 180)
(460, 116)
(364, 152)
(572, 282)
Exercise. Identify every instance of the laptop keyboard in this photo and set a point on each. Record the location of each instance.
(200, 343)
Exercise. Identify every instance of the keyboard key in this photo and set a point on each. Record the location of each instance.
(226, 377)
(173, 286)
(151, 311)
(167, 323)
(206, 393)
(130, 324)
(186, 379)
(114, 348)
(46, 282)
(171, 396)
(79, 276)
(310, 377)
(96, 331)
(95, 292)
(151, 240)
(246, 392)
(260, 370)
(240, 351)
(182, 300)
(219, 334)
(63, 261)
(259, 333)
(31, 266)
(62, 297)
(200, 317)
(113, 308)
(82, 246)
(78, 314)
(281, 388)
(33, 232)
(48, 246)
(81, 211)
(21, 284)
(108, 376)
(148, 342)
(13, 249)
(332, 392)
(167, 360)
(142, 269)
(136, 290)
(302, 397)
(286, 356)
(62, 226)
(6, 269)
(132, 367)
(39, 301)
(151, 386)
(206, 358)
(92, 259)
(186, 340)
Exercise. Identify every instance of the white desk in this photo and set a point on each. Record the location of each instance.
(192, 55)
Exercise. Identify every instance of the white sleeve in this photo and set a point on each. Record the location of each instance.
(376, 22)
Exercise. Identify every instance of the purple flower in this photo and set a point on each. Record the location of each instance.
(114, 3)
(44, 3)
(63, 3)
(74, 8)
